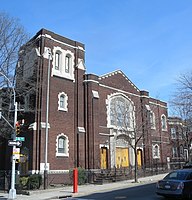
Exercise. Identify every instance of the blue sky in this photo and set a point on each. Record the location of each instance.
(149, 40)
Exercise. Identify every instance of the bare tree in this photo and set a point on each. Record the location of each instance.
(128, 119)
(182, 105)
(12, 37)
(135, 123)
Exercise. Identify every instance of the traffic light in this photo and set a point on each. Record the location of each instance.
(17, 127)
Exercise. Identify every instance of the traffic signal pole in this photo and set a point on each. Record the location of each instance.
(12, 191)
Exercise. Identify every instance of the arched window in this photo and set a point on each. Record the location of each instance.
(63, 62)
(57, 60)
(180, 135)
(181, 150)
(156, 152)
(173, 133)
(163, 122)
(152, 119)
(67, 63)
(174, 151)
(62, 101)
(62, 145)
(121, 112)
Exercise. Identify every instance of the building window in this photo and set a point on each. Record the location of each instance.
(180, 136)
(173, 133)
(62, 145)
(63, 62)
(57, 60)
(67, 63)
(174, 152)
(163, 122)
(152, 119)
(181, 150)
(121, 112)
(62, 101)
(156, 152)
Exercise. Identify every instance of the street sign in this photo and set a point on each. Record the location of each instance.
(16, 153)
(22, 139)
(14, 143)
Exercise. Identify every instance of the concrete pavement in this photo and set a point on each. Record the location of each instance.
(64, 192)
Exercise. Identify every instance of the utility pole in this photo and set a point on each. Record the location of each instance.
(47, 121)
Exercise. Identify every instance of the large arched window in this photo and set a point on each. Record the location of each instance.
(121, 112)
(62, 145)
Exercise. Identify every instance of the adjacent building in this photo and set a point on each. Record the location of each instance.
(180, 141)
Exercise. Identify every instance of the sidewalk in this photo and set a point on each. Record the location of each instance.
(59, 193)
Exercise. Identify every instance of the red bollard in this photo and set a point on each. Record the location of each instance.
(75, 180)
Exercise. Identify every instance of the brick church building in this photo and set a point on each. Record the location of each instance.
(74, 119)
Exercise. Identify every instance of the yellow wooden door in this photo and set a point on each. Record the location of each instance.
(122, 158)
(139, 157)
(103, 157)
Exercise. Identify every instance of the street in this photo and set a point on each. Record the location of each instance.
(125, 190)
(144, 192)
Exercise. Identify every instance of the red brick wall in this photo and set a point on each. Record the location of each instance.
(86, 111)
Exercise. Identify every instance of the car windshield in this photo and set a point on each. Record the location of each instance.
(177, 175)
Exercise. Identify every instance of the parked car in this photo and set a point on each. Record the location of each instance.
(177, 183)
(187, 165)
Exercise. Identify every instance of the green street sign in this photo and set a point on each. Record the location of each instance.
(20, 139)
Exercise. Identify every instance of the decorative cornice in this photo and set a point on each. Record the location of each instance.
(121, 91)
(90, 80)
(50, 37)
(157, 104)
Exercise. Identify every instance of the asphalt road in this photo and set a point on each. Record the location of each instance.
(144, 192)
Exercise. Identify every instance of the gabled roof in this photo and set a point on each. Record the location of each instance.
(118, 72)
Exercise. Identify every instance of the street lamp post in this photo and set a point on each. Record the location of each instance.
(12, 191)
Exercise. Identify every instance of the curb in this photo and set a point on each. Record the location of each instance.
(59, 197)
